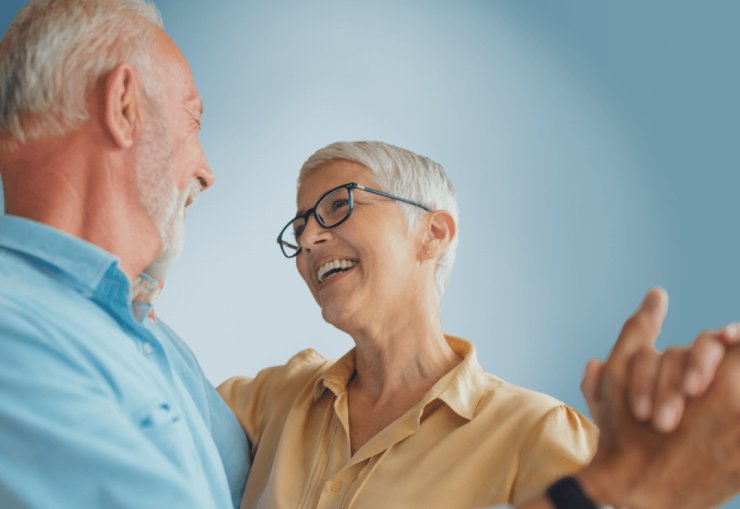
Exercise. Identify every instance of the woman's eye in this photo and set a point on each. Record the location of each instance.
(339, 204)
(297, 231)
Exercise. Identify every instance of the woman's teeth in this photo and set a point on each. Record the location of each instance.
(333, 267)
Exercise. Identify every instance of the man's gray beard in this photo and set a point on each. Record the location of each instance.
(158, 193)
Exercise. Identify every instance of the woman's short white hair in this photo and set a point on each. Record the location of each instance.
(55, 51)
(403, 173)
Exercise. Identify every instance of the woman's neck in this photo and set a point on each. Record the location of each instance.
(402, 357)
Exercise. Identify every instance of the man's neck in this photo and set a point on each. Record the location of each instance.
(84, 191)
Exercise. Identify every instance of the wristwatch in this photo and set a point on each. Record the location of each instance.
(568, 494)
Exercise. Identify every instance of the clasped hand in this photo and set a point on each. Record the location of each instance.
(670, 422)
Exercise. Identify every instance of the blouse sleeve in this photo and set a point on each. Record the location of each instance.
(255, 400)
(559, 444)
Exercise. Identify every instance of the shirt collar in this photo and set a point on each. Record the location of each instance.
(337, 377)
(461, 389)
(146, 290)
(91, 270)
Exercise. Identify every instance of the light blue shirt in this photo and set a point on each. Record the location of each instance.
(99, 408)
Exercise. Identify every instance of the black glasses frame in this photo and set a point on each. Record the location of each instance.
(312, 211)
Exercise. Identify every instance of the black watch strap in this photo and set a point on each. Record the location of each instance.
(568, 494)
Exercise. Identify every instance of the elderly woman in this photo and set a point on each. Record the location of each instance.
(407, 418)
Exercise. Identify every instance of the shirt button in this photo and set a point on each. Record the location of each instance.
(147, 348)
(87, 293)
(335, 486)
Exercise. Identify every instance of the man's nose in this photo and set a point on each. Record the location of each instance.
(205, 175)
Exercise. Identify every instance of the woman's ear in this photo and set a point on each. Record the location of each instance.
(440, 231)
(121, 105)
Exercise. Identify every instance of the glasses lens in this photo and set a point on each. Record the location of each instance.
(334, 207)
(288, 239)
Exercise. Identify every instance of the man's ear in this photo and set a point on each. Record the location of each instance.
(440, 231)
(121, 105)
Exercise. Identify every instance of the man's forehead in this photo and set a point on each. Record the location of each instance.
(174, 65)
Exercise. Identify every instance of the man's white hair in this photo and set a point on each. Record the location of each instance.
(54, 53)
(403, 173)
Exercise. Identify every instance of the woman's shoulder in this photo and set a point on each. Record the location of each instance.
(549, 438)
(502, 397)
(270, 394)
(305, 363)
(300, 369)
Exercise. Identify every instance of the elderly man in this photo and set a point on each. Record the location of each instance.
(99, 405)
(102, 406)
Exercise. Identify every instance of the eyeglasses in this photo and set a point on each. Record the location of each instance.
(333, 208)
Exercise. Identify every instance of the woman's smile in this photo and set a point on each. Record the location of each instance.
(334, 269)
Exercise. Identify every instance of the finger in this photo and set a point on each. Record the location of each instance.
(641, 329)
(643, 379)
(704, 357)
(589, 383)
(730, 335)
(669, 397)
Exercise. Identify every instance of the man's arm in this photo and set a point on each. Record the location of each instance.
(660, 383)
(65, 440)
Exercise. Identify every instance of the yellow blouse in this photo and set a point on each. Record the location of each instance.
(473, 440)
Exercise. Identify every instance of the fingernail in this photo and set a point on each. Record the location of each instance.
(732, 331)
(643, 407)
(692, 382)
(666, 418)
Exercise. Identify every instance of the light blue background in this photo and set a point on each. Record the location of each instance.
(593, 146)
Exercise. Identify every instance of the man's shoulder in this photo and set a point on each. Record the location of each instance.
(39, 309)
(25, 283)
(26, 294)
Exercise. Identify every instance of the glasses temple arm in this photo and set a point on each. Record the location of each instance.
(393, 197)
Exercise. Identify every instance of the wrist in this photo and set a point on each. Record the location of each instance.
(595, 484)
(617, 482)
(600, 485)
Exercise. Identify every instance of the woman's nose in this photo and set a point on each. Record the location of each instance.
(313, 234)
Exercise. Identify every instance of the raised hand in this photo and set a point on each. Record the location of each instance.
(660, 384)
(637, 466)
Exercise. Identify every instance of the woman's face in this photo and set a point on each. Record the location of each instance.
(380, 267)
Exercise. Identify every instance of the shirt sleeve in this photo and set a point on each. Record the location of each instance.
(558, 445)
(271, 392)
(228, 435)
(66, 442)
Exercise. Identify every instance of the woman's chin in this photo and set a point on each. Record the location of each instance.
(337, 314)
